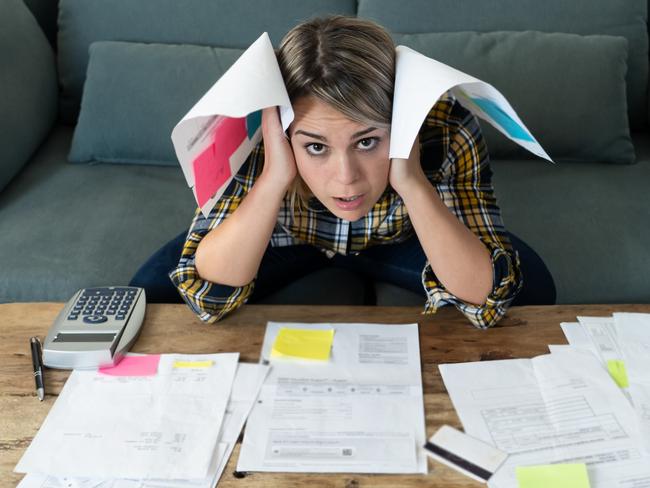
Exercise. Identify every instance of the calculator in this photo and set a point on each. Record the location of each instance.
(96, 327)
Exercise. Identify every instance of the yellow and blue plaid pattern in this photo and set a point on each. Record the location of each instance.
(455, 159)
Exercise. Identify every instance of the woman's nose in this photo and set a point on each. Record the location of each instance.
(347, 170)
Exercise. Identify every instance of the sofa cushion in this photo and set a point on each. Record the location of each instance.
(625, 18)
(28, 89)
(556, 82)
(588, 221)
(127, 115)
(205, 22)
(67, 226)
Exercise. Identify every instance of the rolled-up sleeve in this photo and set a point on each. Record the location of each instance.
(464, 183)
(212, 301)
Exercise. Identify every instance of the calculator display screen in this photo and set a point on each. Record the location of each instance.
(84, 337)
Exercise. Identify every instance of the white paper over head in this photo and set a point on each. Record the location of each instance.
(215, 137)
(420, 81)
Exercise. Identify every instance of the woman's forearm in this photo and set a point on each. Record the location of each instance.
(457, 256)
(231, 253)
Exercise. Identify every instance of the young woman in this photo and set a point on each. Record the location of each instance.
(326, 193)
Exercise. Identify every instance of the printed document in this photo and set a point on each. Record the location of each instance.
(360, 411)
(558, 408)
(161, 426)
(247, 383)
(633, 338)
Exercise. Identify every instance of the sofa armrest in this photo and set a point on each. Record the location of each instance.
(28, 87)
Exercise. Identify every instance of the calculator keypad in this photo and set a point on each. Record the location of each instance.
(98, 305)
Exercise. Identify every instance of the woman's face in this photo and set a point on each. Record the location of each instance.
(345, 164)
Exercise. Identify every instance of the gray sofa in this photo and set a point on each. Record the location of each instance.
(64, 226)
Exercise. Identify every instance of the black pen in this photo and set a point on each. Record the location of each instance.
(38, 367)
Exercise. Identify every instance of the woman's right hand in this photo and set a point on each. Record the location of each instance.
(279, 161)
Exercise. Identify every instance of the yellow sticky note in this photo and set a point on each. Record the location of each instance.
(193, 364)
(616, 369)
(303, 343)
(553, 475)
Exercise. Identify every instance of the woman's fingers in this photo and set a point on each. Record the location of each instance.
(271, 121)
(279, 161)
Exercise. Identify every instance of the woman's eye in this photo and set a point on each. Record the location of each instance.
(368, 143)
(315, 148)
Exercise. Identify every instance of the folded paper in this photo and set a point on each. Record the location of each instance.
(217, 135)
(419, 83)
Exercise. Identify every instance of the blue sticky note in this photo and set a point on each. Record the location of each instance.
(253, 121)
(510, 125)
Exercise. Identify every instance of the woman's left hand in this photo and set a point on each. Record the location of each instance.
(406, 172)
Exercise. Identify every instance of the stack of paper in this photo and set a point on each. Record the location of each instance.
(569, 408)
(340, 398)
(622, 343)
(159, 420)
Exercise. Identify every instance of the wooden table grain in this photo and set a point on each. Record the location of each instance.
(445, 337)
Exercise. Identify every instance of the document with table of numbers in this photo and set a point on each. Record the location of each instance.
(553, 409)
(360, 410)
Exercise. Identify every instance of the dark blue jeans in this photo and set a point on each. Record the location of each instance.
(400, 264)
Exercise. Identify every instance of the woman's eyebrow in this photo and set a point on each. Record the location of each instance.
(323, 138)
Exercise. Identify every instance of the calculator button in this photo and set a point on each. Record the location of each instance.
(111, 312)
(120, 317)
(72, 316)
(88, 312)
(95, 319)
(97, 292)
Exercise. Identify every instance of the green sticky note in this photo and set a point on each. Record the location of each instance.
(303, 343)
(553, 475)
(616, 369)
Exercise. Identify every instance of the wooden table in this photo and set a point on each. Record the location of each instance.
(445, 337)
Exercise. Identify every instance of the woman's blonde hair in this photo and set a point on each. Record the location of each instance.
(346, 62)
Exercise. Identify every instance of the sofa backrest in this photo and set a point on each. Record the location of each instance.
(626, 18)
(235, 24)
(223, 23)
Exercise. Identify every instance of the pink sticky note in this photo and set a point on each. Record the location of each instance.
(134, 366)
(212, 166)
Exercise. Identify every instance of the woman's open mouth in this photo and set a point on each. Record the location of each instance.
(349, 203)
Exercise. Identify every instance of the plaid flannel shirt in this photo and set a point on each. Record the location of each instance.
(455, 159)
